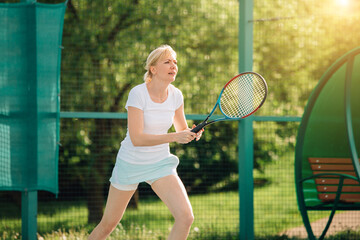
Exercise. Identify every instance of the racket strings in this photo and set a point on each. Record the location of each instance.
(243, 95)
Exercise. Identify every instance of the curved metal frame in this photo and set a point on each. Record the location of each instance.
(349, 57)
(348, 119)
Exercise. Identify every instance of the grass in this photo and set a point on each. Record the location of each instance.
(216, 214)
(275, 204)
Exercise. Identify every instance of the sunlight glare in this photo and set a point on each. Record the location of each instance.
(342, 2)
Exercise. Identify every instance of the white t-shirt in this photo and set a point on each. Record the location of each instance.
(158, 119)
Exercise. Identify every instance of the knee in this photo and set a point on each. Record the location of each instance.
(190, 219)
(186, 218)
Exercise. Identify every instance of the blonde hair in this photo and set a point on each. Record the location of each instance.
(153, 58)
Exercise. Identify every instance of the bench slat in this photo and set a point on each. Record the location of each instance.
(330, 160)
(335, 181)
(343, 197)
(328, 167)
(322, 188)
(348, 173)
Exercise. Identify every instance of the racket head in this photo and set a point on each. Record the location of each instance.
(243, 95)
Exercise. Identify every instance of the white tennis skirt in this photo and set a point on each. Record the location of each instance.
(125, 173)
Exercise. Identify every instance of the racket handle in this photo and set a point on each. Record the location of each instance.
(198, 127)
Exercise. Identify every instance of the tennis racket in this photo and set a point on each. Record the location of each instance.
(243, 95)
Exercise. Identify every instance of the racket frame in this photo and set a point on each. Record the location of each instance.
(205, 122)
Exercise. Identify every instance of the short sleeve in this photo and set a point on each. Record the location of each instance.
(179, 98)
(135, 98)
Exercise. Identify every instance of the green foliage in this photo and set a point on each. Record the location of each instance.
(105, 52)
(294, 43)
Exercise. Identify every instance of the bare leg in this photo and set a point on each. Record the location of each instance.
(115, 207)
(171, 191)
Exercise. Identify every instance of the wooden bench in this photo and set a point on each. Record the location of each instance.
(329, 171)
(335, 183)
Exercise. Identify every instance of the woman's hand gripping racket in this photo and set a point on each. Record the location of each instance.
(243, 95)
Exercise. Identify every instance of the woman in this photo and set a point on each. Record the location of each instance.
(144, 156)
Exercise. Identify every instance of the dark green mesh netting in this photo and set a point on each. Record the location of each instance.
(30, 53)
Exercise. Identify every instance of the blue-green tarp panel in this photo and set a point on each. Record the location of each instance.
(30, 53)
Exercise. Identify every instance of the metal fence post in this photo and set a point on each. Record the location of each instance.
(245, 132)
(29, 197)
(29, 214)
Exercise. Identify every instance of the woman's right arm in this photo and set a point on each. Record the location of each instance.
(139, 138)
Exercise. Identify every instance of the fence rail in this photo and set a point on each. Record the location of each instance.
(109, 115)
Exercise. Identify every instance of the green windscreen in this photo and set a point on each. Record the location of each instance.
(30, 53)
(325, 134)
(326, 130)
